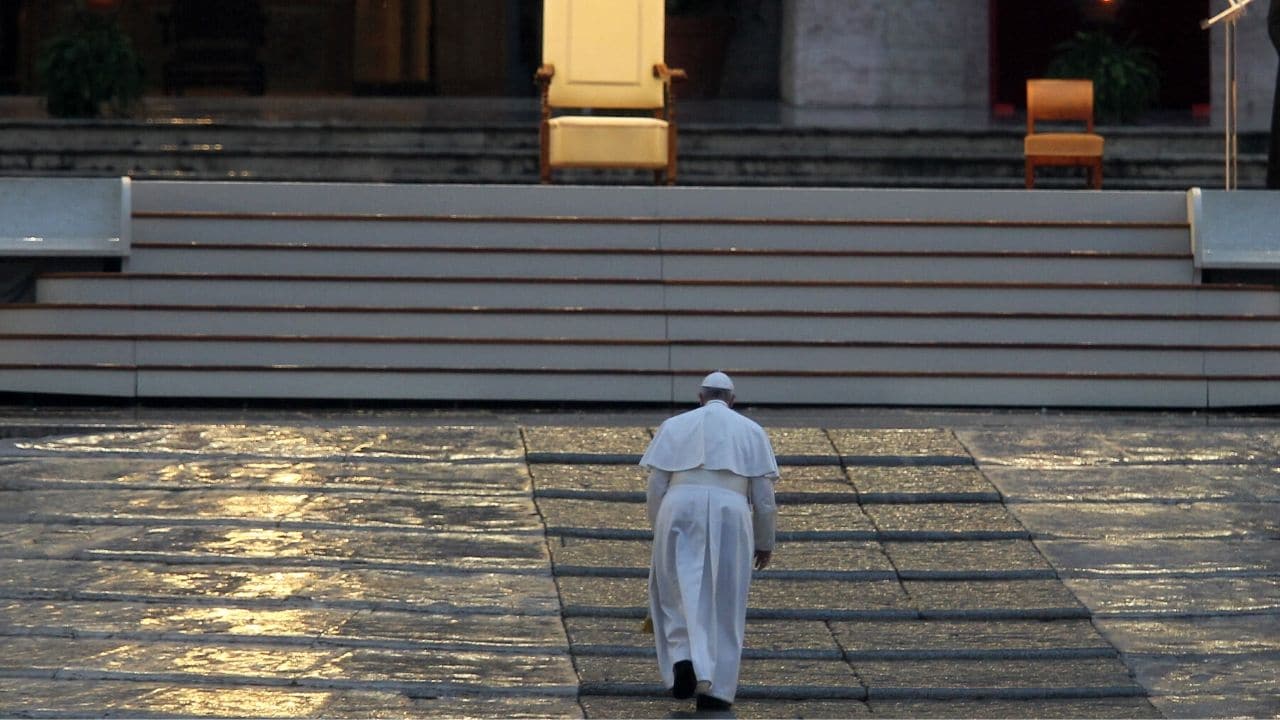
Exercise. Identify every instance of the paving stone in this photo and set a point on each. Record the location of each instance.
(825, 556)
(451, 671)
(40, 578)
(148, 660)
(767, 594)
(62, 541)
(1194, 636)
(1178, 595)
(517, 707)
(811, 442)
(451, 513)
(117, 698)
(1153, 557)
(438, 592)
(433, 477)
(986, 708)
(436, 442)
(593, 514)
(607, 632)
(910, 481)
(762, 636)
(597, 670)
(967, 636)
(590, 478)
(1266, 705)
(543, 633)
(824, 479)
(1181, 483)
(1239, 675)
(823, 518)
(965, 556)
(993, 674)
(1111, 521)
(119, 618)
(824, 596)
(589, 440)
(998, 595)
(1050, 447)
(613, 706)
(607, 592)
(791, 636)
(478, 591)
(457, 513)
(592, 554)
(271, 546)
(896, 442)
(943, 517)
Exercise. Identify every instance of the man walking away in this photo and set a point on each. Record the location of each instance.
(711, 505)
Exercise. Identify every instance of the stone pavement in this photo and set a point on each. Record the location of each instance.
(211, 563)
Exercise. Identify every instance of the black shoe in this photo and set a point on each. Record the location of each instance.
(686, 681)
(707, 702)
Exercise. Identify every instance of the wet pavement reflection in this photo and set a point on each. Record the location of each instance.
(382, 565)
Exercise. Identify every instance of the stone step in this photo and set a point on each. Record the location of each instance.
(60, 321)
(1137, 157)
(330, 291)
(795, 264)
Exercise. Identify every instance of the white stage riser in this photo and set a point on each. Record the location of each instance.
(652, 266)
(569, 387)
(320, 293)
(650, 357)
(1071, 299)
(653, 326)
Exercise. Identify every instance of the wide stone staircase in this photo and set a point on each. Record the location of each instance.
(445, 293)
(903, 586)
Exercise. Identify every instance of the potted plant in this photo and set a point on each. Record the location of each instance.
(1126, 79)
(697, 39)
(90, 65)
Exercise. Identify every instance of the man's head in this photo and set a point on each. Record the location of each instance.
(716, 386)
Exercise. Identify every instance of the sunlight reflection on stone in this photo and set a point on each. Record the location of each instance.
(275, 584)
(235, 702)
(238, 621)
(263, 542)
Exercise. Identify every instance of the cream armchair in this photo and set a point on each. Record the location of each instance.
(606, 57)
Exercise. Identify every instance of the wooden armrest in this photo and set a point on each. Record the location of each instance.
(660, 70)
(544, 74)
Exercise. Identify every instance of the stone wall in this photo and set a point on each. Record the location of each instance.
(885, 53)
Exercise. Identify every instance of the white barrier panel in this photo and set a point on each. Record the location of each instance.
(1235, 230)
(65, 217)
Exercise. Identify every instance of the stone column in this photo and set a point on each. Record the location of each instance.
(1255, 68)
(886, 53)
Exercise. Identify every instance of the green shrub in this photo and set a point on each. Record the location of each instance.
(1126, 80)
(90, 64)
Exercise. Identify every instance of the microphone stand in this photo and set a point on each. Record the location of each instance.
(1227, 18)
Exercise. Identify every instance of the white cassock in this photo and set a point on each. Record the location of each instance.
(711, 504)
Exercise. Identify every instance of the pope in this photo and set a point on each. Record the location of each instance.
(711, 504)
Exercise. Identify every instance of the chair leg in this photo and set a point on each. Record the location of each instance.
(1031, 175)
(1095, 175)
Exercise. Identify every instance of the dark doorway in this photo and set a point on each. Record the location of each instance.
(1024, 35)
(10, 14)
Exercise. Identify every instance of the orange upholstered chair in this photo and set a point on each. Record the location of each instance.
(1059, 101)
(607, 58)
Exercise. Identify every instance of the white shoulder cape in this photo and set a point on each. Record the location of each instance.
(712, 437)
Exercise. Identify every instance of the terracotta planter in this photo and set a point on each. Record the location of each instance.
(698, 44)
